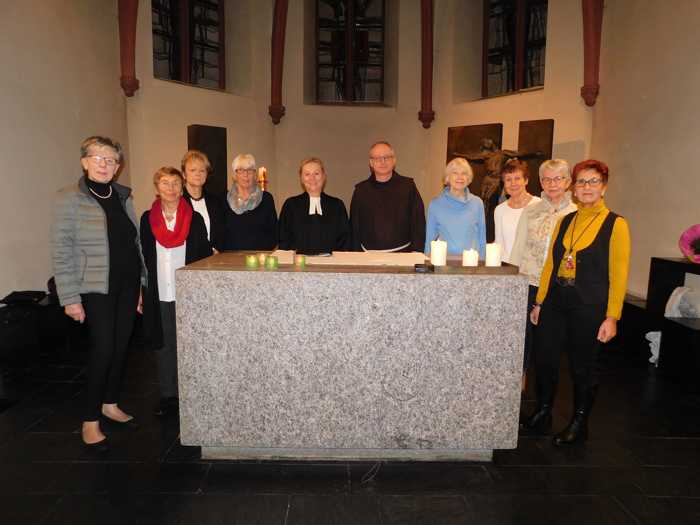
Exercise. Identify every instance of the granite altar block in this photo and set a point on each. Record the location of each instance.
(334, 362)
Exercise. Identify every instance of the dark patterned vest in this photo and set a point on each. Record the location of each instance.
(592, 263)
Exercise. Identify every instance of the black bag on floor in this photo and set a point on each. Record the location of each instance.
(24, 297)
(19, 331)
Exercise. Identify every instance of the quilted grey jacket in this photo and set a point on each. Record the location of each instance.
(80, 247)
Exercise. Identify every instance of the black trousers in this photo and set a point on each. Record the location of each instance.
(166, 357)
(110, 320)
(529, 328)
(567, 324)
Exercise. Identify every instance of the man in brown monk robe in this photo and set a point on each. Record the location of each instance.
(386, 211)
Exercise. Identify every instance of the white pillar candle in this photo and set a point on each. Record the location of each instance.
(438, 253)
(493, 254)
(470, 258)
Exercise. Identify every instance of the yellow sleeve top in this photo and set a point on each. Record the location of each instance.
(582, 233)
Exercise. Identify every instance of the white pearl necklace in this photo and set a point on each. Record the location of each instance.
(100, 196)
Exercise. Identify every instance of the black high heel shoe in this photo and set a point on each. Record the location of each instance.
(129, 424)
(101, 447)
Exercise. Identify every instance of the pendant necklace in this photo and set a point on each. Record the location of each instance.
(569, 254)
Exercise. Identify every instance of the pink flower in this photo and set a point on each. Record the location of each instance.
(689, 243)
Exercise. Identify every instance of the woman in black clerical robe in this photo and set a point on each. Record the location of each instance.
(314, 222)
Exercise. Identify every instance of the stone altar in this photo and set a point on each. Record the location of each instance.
(339, 362)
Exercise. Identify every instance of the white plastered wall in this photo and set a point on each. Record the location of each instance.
(60, 84)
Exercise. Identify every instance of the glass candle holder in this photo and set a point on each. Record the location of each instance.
(271, 262)
(251, 261)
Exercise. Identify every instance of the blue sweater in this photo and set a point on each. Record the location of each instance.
(460, 223)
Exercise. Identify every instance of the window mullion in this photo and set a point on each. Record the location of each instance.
(349, 92)
(520, 26)
(485, 51)
(222, 46)
(185, 47)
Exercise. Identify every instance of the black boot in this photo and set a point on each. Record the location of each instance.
(540, 421)
(577, 430)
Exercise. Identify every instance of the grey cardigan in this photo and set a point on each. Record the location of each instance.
(80, 247)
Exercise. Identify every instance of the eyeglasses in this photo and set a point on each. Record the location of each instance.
(98, 159)
(241, 171)
(172, 183)
(385, 158)
(553, 180)
(581, 183)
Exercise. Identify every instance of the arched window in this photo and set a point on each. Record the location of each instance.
(515, 40)
(188, 41)
(350, 46)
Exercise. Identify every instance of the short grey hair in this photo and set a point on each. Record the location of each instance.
(244, 160)
(458, 164)
(557, 166)
(383, 143)
(101, 142)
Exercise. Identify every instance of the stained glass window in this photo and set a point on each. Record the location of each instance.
(350, 38)
(515, 39)
(188, 41)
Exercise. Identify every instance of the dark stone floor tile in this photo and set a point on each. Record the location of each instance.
(209, 510)
(669, 481)
(31, 447)
(31, 478)
(423, 510)
(113, 509)
(18, 418)
(646, 409)
(594, 452)
(275, 478)
(339, 509)
(670, 511)
(541, 509)
(131, 478)
(417, 478)
(528, 452)
(581, 480)
(515, 480)
(665, 451)
(93, 478)
(174, 477)
(26, 509)
(67, 418)
(591, 480)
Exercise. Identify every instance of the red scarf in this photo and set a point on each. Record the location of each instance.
(183, 219)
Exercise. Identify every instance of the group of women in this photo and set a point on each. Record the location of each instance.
(575, 253)
(107, 266)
